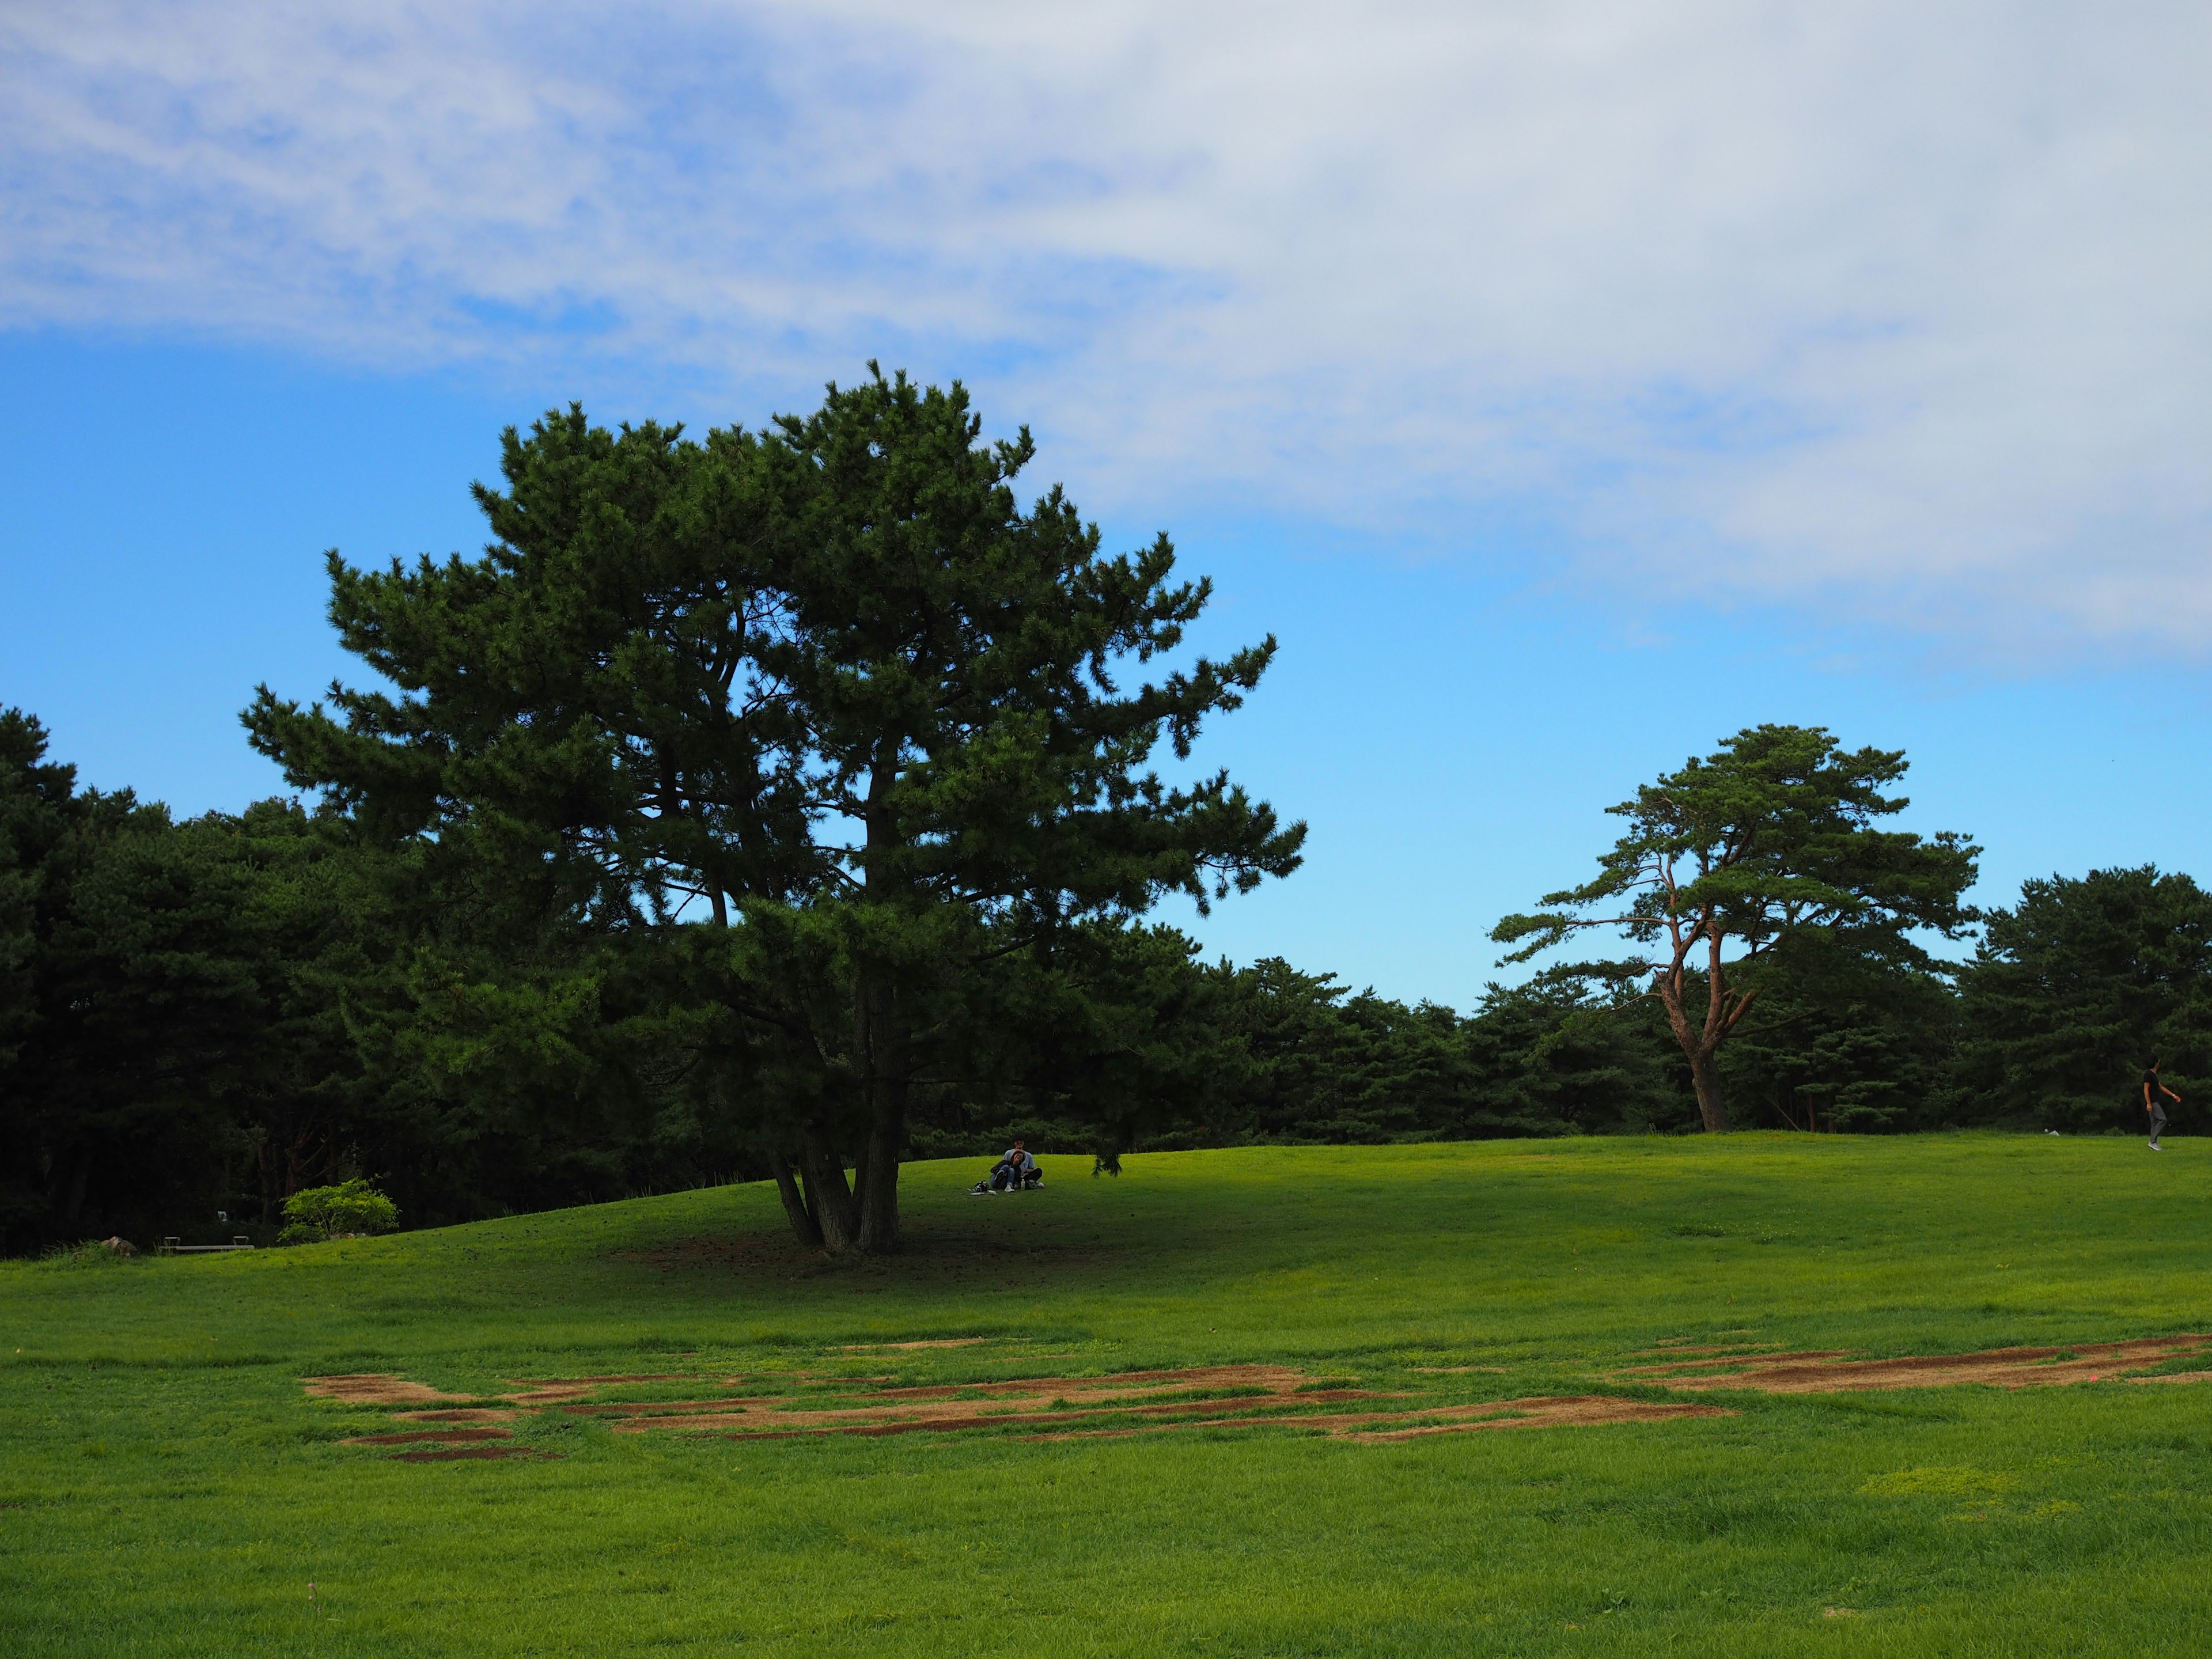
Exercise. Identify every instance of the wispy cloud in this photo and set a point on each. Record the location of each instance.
(1900, 309)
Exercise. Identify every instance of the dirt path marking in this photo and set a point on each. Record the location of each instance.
(934, 1342)
(1037, 1408)
(1129, 1402)
(1558, 1411)
(1539, 1411)
(376, 1390)
(553, 1389)
(1461, 1370)
(2003, 1368)
(794, 1403)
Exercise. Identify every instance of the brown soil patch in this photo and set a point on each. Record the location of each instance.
(1564, 1411)
(1718, 1357)
(1037, 1408)
(934, 1342)
(789, 1407)
(376, 1390)
(552, 1390)
(1577, 1411)
(438, 1437)
(1207, 1396)
(975, 1405)
(1276, 1379)
(947, 1415)
(1059, 1407)
(2003, 1368)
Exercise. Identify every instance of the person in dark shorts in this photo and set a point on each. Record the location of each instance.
(2155, 1106)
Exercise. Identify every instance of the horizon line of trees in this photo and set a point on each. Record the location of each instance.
(210, 1014)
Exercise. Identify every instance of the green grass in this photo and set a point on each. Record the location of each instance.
(166, 1488)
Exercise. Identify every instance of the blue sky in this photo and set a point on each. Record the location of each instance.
(1566, 389)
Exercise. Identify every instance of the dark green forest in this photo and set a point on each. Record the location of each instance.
(784, 805)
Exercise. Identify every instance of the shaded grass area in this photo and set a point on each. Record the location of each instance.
(166, 1487)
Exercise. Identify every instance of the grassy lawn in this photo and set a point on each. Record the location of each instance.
(167, 1487)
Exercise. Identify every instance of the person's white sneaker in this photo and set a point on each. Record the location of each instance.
(2155, 1147)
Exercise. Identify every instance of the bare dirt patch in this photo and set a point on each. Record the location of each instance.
(376, 1390)
(1832, 1372)
(1128, 1402)
(1209, 1389)
(552, 1390)
(934, 1342)
(1576, 1410)
(1713, 1361)
(1557, 1410)
(794, 1403)
(1046, 1407)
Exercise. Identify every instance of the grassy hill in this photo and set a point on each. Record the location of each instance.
(169, 1486)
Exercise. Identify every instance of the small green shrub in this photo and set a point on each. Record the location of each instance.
(315, 1213)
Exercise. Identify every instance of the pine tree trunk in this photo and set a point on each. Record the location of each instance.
(879, 1190)
(1699, 1048)
(884, 1043)
(1705, 1077)
(879, 1036)
(829, 1200)
(803, 1226)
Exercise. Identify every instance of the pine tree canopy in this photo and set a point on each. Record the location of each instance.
(816, 720)
(1772, 837)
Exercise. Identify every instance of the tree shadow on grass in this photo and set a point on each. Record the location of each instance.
(940, 1255)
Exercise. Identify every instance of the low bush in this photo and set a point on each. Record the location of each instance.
(315, 1213)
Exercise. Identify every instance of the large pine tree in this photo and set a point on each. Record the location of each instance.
(818, 724)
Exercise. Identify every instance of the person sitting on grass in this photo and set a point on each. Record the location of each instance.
(1015, 1170)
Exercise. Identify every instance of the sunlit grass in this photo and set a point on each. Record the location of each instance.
(166, 1488)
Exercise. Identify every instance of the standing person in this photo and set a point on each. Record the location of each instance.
(2153, 1088)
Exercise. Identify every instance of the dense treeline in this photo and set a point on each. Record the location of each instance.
(208, 1015)
(774, 805)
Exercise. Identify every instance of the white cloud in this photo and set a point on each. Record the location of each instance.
(1900, 308)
